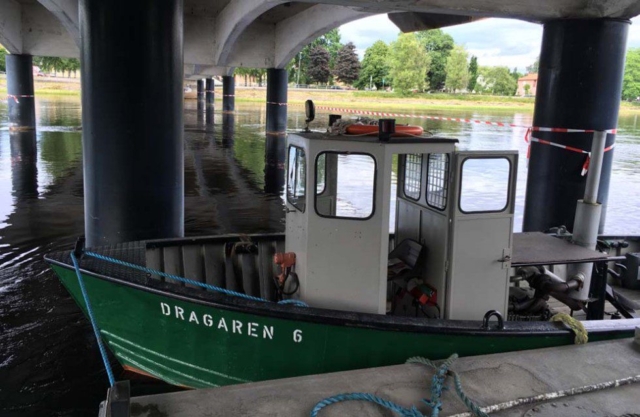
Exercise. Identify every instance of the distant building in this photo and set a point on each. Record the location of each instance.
(532, 81)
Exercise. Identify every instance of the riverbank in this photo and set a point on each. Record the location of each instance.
(370, 100)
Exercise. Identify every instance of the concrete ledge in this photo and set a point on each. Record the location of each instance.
(487, 379)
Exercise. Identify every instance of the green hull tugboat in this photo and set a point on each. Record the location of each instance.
(342, 293)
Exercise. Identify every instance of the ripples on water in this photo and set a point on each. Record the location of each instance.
(49, 363)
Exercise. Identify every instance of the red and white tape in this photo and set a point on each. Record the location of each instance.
(528, 135)
(15, 97)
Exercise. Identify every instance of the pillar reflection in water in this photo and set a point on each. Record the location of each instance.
(24, 169)
(210, 115)
(228, 129)
(274, 155)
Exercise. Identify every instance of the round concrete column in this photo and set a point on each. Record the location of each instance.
(132, 126)
(200, 84)
(20, 97)
(211, 88)
(277, 80)
(579, 87)
(228, 93)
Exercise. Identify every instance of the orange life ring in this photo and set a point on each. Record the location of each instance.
(372, 130)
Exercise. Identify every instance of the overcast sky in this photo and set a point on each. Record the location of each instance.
(513, 43)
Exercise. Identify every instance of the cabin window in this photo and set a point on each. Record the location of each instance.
(349, 189)
(321, 174)
(297, 178)
(484, 185)
(412, 176)
(438, 180)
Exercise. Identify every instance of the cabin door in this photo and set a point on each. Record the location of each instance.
(482, 226)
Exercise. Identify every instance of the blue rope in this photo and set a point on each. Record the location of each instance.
(437, 388)
(187, 280)
(96, 332)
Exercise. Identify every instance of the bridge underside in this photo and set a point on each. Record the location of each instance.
(223, 34)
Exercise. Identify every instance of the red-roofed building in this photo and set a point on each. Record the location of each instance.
(532, 81)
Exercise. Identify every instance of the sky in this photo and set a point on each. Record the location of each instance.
(508, 42)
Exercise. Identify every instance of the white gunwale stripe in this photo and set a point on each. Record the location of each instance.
(220, 374)
(193, 378)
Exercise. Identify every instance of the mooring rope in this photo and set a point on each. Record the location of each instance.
(435, 402)
(92, 319)
(576, 326)
(187, 280)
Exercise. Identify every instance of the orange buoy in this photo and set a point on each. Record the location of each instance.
(372, 130)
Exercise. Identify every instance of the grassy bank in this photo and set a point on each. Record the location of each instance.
(371, 100)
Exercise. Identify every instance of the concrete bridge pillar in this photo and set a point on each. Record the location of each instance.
(277, 80)
(132, 126)
(20, 97)
(228, 93)
(579, 87)
(211, 88)
(200, 84)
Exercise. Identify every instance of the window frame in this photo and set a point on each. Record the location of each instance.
(404, 177)
(298, 148)
(375, 185)
(446, 185)
(509, 185)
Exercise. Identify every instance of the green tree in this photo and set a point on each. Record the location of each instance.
(631, 79)
(438, 46)
(319, 70)
(301, 62)
(473, 73)
(375, 66)
(3, 53)
(533, 68)
(409, 64)
(457, 69)
(347, 66)
(496, 80)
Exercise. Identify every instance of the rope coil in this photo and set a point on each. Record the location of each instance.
(435, 402)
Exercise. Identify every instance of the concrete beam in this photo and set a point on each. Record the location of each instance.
(255, 48)
(44, 35)
(412, 22)
(194, 72)
(292, 34)
(537, 11)
(11, 26)
(199, 39)
(232, 22)
(67, 13)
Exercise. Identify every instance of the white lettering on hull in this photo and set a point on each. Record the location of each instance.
(252, 329)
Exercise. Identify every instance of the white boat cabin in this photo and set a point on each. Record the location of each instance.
(452, 211)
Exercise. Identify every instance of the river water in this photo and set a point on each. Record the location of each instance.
(49, 362)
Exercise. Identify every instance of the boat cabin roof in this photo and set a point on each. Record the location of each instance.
(374, 139)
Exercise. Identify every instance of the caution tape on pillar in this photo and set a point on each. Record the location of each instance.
(585, 166)
(16, 96)
(528, 135)
(277, 104)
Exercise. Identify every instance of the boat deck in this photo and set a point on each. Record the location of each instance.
(609, 309)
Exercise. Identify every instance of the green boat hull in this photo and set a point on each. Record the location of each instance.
(194, 338)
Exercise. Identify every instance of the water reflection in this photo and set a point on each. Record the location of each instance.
(24, 169)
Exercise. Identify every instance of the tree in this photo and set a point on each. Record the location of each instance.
(299, 65)
(631, 79)
(438, 46)
(347, 67)
(319, 70)
(375, 66)
(473, 73)
(533, 68)
(409, 64)
(527, 88)
(3, 65)
(457, 69)
(496, 80)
